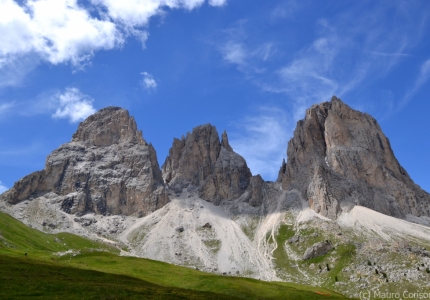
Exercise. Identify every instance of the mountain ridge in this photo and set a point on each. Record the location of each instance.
(337, 158)
(204, 209)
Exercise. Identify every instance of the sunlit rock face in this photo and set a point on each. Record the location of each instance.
(339, 157)
(107, 168)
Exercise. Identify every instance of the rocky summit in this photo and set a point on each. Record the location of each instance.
(107, 168)
(203, 162)
(339, 158)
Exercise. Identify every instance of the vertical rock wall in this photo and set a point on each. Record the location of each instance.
(339, 157)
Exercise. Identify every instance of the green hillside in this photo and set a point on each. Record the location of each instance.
(66, 266)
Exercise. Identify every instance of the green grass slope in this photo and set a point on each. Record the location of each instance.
(93, 270)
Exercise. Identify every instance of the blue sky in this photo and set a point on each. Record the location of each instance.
(249, 67)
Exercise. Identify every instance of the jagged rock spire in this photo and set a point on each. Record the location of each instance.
(203, 161)
(224, 141)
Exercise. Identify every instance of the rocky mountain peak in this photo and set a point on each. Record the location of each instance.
(110, 125)
(204, 162)
(339, 157)
(193, 158)
(107, 168)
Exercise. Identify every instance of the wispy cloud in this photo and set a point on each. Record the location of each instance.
(148, 81)
(3, 188)
(353, 47)
(422, 78)
(73, 105)
(5, 108)
(309, 78)
(392, 54)
(287, 9)
(14, 68)
(262, 140)
(236, 48)
(234, 53)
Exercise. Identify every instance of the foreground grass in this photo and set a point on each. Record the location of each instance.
(27, 278)
(94, 274)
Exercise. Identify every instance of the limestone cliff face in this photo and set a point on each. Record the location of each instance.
(203, 161)
(339, 157)
(107, 168)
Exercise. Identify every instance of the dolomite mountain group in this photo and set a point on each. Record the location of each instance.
(338, 158)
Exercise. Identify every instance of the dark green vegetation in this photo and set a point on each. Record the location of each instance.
(95, 271)
(25, 278)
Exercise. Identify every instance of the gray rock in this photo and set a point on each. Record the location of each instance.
(294, 239)
(255, 190)
(207, 225)
(107, 168)
(191, 160)
(205, 162)
(318, 249)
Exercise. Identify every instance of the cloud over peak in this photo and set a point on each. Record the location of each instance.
(73, 105)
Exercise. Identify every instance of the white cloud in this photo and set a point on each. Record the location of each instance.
(57, 30)
(217, 2)
(137, 13)
(148, 81)
(3, 188)
(262, 140)
(74, 105)
(61, 31)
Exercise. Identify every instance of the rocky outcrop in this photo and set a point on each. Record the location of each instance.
(318, 249)
(192, 159)
(202, 160)
(107, 168)
(255, 193)
(339, 157)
